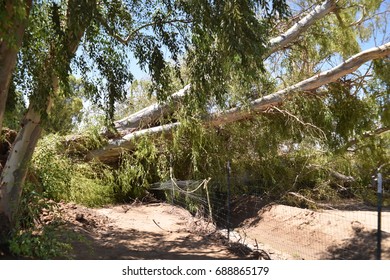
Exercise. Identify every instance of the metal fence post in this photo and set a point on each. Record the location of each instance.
(379, 231)
(171, 177)
(228, 169)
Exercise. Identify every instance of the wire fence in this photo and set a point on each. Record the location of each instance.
(288, 222)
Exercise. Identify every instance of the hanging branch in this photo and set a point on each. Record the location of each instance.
(126, 40)
(306, 124)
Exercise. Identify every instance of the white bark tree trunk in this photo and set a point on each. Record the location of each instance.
(323, 78)
(301, 26)
(115, 147)
(150, 115)
(14, 171)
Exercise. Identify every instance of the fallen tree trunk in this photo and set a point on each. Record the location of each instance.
(115, 147)
(150, 115)
(323, 78)
(301, 26)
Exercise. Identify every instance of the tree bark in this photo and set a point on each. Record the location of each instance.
(111, 152)
(15, 170)
(116, 147)
(301, 26)
(150, 115)
(323, 78)
(9, 48)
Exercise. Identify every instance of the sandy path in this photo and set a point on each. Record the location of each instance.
(328, 234)
(153, 231)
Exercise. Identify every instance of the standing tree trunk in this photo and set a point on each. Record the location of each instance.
(10, 43)
(15, 169)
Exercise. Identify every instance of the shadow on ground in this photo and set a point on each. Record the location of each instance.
(133, 244)
(361, 246)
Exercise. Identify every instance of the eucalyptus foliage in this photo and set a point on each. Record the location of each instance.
(218, 40)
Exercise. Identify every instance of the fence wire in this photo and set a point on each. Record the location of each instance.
(290, 222)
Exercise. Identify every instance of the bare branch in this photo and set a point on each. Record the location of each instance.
(302, 197)
(361, 19)
(301, 26)
(289, 114)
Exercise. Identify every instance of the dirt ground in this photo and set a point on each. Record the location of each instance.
(148, 231)
(163, 231)
(323, 234)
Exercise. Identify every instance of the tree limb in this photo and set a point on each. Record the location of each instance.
(149, 115)
(318, 80)
(369, 134)
(115, 147)
(301, 26)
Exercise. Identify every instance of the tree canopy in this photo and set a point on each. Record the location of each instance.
(299, 88)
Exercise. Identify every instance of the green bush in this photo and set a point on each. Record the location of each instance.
(31, 244)
(30, 237)
(61, 178)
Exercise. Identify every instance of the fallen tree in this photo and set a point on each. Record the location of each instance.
(316, 81)
(150, 115)
(116, 146)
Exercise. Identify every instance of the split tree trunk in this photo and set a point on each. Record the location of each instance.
(9, 48)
